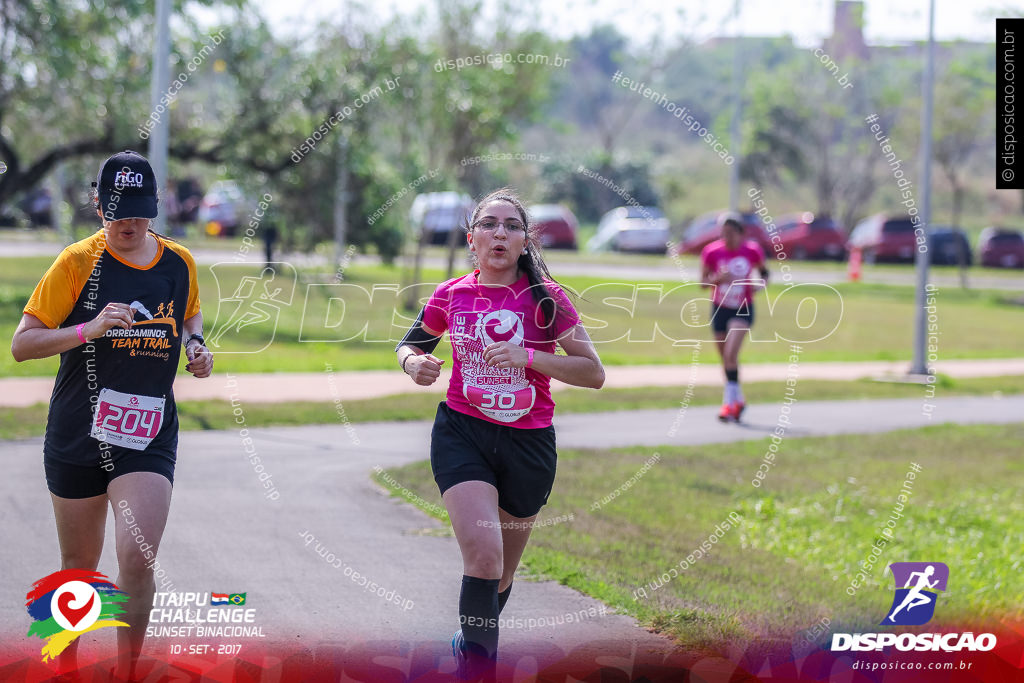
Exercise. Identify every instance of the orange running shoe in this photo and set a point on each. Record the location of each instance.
(737, 410)
(726, 413)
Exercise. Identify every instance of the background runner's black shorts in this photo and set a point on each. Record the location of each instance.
(720, 316)
(67, 480)
(520, 463)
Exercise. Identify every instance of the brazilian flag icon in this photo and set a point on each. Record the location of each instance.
(237, 598)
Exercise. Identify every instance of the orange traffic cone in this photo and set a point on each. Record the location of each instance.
(853, 265)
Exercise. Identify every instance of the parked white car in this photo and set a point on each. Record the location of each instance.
(438, 213)
(632, 228)
(226, 206)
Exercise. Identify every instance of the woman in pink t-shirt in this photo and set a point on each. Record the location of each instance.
(728, 265)
(492, 447)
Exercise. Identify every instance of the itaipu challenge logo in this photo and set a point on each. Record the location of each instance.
(917, 586)
(68, 603)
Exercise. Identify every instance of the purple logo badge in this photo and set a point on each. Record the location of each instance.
(917, 586)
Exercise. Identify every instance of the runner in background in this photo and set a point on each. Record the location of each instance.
(118, 307)
(727, 266)
(492, 447)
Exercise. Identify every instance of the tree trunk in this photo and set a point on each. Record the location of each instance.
(961, 256)
(453, 245)
(341, 195)
(468, 177)
(958, 200)
(412, 296)
(823, 185)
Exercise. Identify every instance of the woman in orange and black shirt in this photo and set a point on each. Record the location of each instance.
(118, 307)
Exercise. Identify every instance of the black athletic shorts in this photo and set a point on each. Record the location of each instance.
(520, 463)
(720, 316)
(66, 480)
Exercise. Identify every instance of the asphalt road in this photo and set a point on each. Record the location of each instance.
(226, 535)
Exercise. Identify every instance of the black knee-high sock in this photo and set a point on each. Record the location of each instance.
(478, 612)
(503, 598)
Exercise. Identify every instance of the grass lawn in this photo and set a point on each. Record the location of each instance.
(341, 323)
(17, 423)
(801, 537)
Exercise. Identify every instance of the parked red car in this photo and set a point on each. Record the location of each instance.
(704, 230)
(556, 224)
(806, 236)
(884, 238)
(1001, 248)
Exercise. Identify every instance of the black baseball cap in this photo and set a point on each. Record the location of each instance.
(126, 187)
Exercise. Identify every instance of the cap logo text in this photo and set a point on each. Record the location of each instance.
(127, 179)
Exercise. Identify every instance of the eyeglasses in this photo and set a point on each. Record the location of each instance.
(490, 225)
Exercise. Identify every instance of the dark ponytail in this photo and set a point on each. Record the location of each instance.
(532, 262)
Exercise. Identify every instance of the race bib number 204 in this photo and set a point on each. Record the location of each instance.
(128, 420)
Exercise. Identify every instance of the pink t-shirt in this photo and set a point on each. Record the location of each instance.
(741, 263)
(476, 315)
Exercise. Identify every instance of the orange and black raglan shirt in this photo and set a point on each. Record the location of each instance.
(125, 375)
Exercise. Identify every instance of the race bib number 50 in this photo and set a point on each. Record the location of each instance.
(127, 420)
(504, 406)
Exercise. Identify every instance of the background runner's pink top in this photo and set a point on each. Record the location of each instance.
(740, 262)
(476, 315)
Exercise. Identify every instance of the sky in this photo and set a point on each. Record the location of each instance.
(808, 21)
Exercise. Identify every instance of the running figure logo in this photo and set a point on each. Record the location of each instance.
(917, 584)
(250, 315)
(161, 317)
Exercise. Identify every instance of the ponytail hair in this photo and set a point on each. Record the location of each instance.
(532, 262)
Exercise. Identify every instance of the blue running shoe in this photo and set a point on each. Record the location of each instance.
(459, 652)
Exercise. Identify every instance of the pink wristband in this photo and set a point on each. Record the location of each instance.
(81, 337)
(529, 357)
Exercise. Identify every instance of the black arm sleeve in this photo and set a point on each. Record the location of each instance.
(418, 337)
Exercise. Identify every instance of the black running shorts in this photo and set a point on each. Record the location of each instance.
(720, 316)
(520, 463)
(66, 480)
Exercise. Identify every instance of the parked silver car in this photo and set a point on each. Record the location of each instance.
(438, 213)
(632, 228)
(223, 209)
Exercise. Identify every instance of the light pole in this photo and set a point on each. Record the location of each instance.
(734, 127)
(158, 137)
(919, 366)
